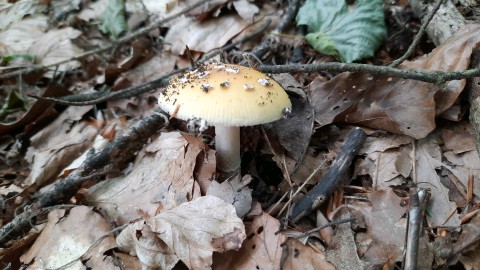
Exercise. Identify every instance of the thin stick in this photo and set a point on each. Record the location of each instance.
(418, 36)
(300, 188)
(333, 223)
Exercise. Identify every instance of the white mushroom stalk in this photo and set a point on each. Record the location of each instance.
(227, 145)
(227, 97)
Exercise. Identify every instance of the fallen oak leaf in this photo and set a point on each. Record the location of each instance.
(190, 232)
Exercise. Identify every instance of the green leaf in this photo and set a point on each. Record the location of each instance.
(13, 102)
(9, 58)
(350, 33)
(113, 19)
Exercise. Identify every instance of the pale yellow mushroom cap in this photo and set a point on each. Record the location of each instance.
(226, 95)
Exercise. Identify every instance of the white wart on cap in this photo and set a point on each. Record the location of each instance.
(226, 96)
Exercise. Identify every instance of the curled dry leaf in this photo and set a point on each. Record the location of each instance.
(190, 232)
(343, 252)
(58, 145)
(72, 241)
(394, 104)
(29, 37)
(161, 178)
(203, 36)
(261, 250)
(300, 256)
(385, 226)
(294, 132)
(429, 159)
(234, 191)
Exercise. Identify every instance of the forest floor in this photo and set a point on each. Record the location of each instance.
(376, 166)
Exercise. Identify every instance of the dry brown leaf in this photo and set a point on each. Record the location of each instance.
(384, 142)
(429, 160)
(161, 179)
(19, 36)
(261, 249)
(57, 145)
(203, 36)
(235, 192)
(94, 10)
(55, 46)
(246, 9)
(294, 132)
(394, 104)
(190, 232)
(70, 238)
(385, 226)
(40, 114)
(139, 240)
(343, 251)
(166, 8)
(459, 138)
(128, 261)
(311, 161)
(29, 37)
(159, 65)
(392, 164)
(301, 257)
(12, 12)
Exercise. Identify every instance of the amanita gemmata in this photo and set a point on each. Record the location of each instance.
(225, 96)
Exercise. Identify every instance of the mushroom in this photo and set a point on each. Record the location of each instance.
(226, 96)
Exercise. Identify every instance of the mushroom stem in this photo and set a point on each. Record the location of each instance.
(227, 145)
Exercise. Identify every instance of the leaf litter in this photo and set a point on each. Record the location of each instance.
(167, 197)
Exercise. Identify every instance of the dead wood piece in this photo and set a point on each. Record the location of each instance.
(119, 151)
(316, 196)
(446, 22)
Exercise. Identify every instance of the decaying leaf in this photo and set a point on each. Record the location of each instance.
(19, 36)
(295, 131)
(301, 257)
(190, 232)
(203, 36)
(161, 179)
(72, 241)
(234, 191)
(429, 159)
(29, 36)
(12, 12)
(394, 104)
(261, 249)
(385, 227)
(343, 251)
(58, 145)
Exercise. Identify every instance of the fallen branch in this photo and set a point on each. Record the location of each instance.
(319, 194)
(436, 77)
(117, 152)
